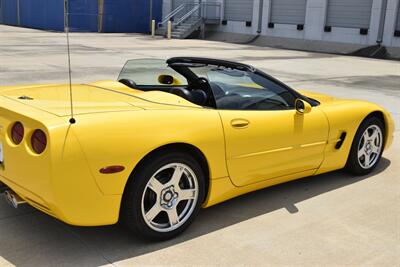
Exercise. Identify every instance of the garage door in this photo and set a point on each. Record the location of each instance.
(288, 11)
(238, 10)
(349, 13)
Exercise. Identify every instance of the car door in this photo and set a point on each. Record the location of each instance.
(266, 144)
(265, 136)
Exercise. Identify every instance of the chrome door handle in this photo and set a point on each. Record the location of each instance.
(240, 123)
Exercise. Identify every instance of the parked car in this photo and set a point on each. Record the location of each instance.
(169, 137)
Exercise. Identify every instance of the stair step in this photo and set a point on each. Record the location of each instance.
(183, 28)
(187, 27)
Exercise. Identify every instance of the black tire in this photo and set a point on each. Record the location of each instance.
(353, 164)
(131, 208)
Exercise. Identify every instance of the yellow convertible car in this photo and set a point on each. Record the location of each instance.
(170, 137)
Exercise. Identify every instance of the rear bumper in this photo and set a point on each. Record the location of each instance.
(31, 198)
(72, 207)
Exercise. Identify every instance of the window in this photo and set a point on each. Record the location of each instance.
(245, 90)
(145, 72)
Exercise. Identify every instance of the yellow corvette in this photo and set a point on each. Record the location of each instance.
(170, 137)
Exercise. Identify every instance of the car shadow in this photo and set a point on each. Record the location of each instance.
(28, 237)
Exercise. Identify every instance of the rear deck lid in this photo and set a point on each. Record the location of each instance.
(55, 99)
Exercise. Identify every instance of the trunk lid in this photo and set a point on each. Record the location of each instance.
(98, 97)
(55, 99)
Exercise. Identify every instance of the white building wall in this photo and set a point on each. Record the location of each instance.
(280, 30)
(314, 24)
(240, 26)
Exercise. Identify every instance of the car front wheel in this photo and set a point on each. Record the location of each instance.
(163, 196)
(367, 147)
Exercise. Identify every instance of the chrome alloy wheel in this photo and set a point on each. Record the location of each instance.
(170, 197)
(370, 146)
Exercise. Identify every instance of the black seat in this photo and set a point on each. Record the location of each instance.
(198, 97)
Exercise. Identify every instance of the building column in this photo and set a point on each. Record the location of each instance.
(316, 11)
(376, 13)
(266, 16)
(392, 16)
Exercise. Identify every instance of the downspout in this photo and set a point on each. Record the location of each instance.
(260, 17)
(259, 26)
(18, 14)
(381, 29)
(1, 17)
(150, 14)
(100, 16)
(65, 13)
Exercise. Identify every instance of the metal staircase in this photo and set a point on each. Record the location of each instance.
(189, 18)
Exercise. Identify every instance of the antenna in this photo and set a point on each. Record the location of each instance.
(72, 119)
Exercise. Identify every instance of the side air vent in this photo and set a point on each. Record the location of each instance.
(341, 140)
(24, 97)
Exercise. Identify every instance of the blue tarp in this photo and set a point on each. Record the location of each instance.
(8, 12)
(129, 15)
(83, 15)
(43, 14)
(118, 15)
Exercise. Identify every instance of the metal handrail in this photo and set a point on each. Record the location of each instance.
(171, 14)
(187, 15)
(199, 11)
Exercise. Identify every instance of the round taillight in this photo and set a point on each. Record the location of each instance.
(38, 141)
(17, 133)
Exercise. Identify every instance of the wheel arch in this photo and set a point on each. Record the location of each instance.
(190, 149)
(382, 117)
(377, 114)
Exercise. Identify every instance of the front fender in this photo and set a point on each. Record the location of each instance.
(346, 116)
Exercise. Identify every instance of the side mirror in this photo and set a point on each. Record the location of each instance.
(302, 107)
(128, 83)
(166, 79)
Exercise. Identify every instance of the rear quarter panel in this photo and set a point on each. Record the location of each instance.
(124, 138)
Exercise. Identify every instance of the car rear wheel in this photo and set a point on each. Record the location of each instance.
(163, 196)
(367, 147)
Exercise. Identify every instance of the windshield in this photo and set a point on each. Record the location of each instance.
(145, 72)
(243, 89)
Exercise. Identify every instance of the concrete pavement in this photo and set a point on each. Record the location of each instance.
(332, 219)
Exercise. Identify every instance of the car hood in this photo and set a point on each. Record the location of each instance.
(90, 98)
(322, 98)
